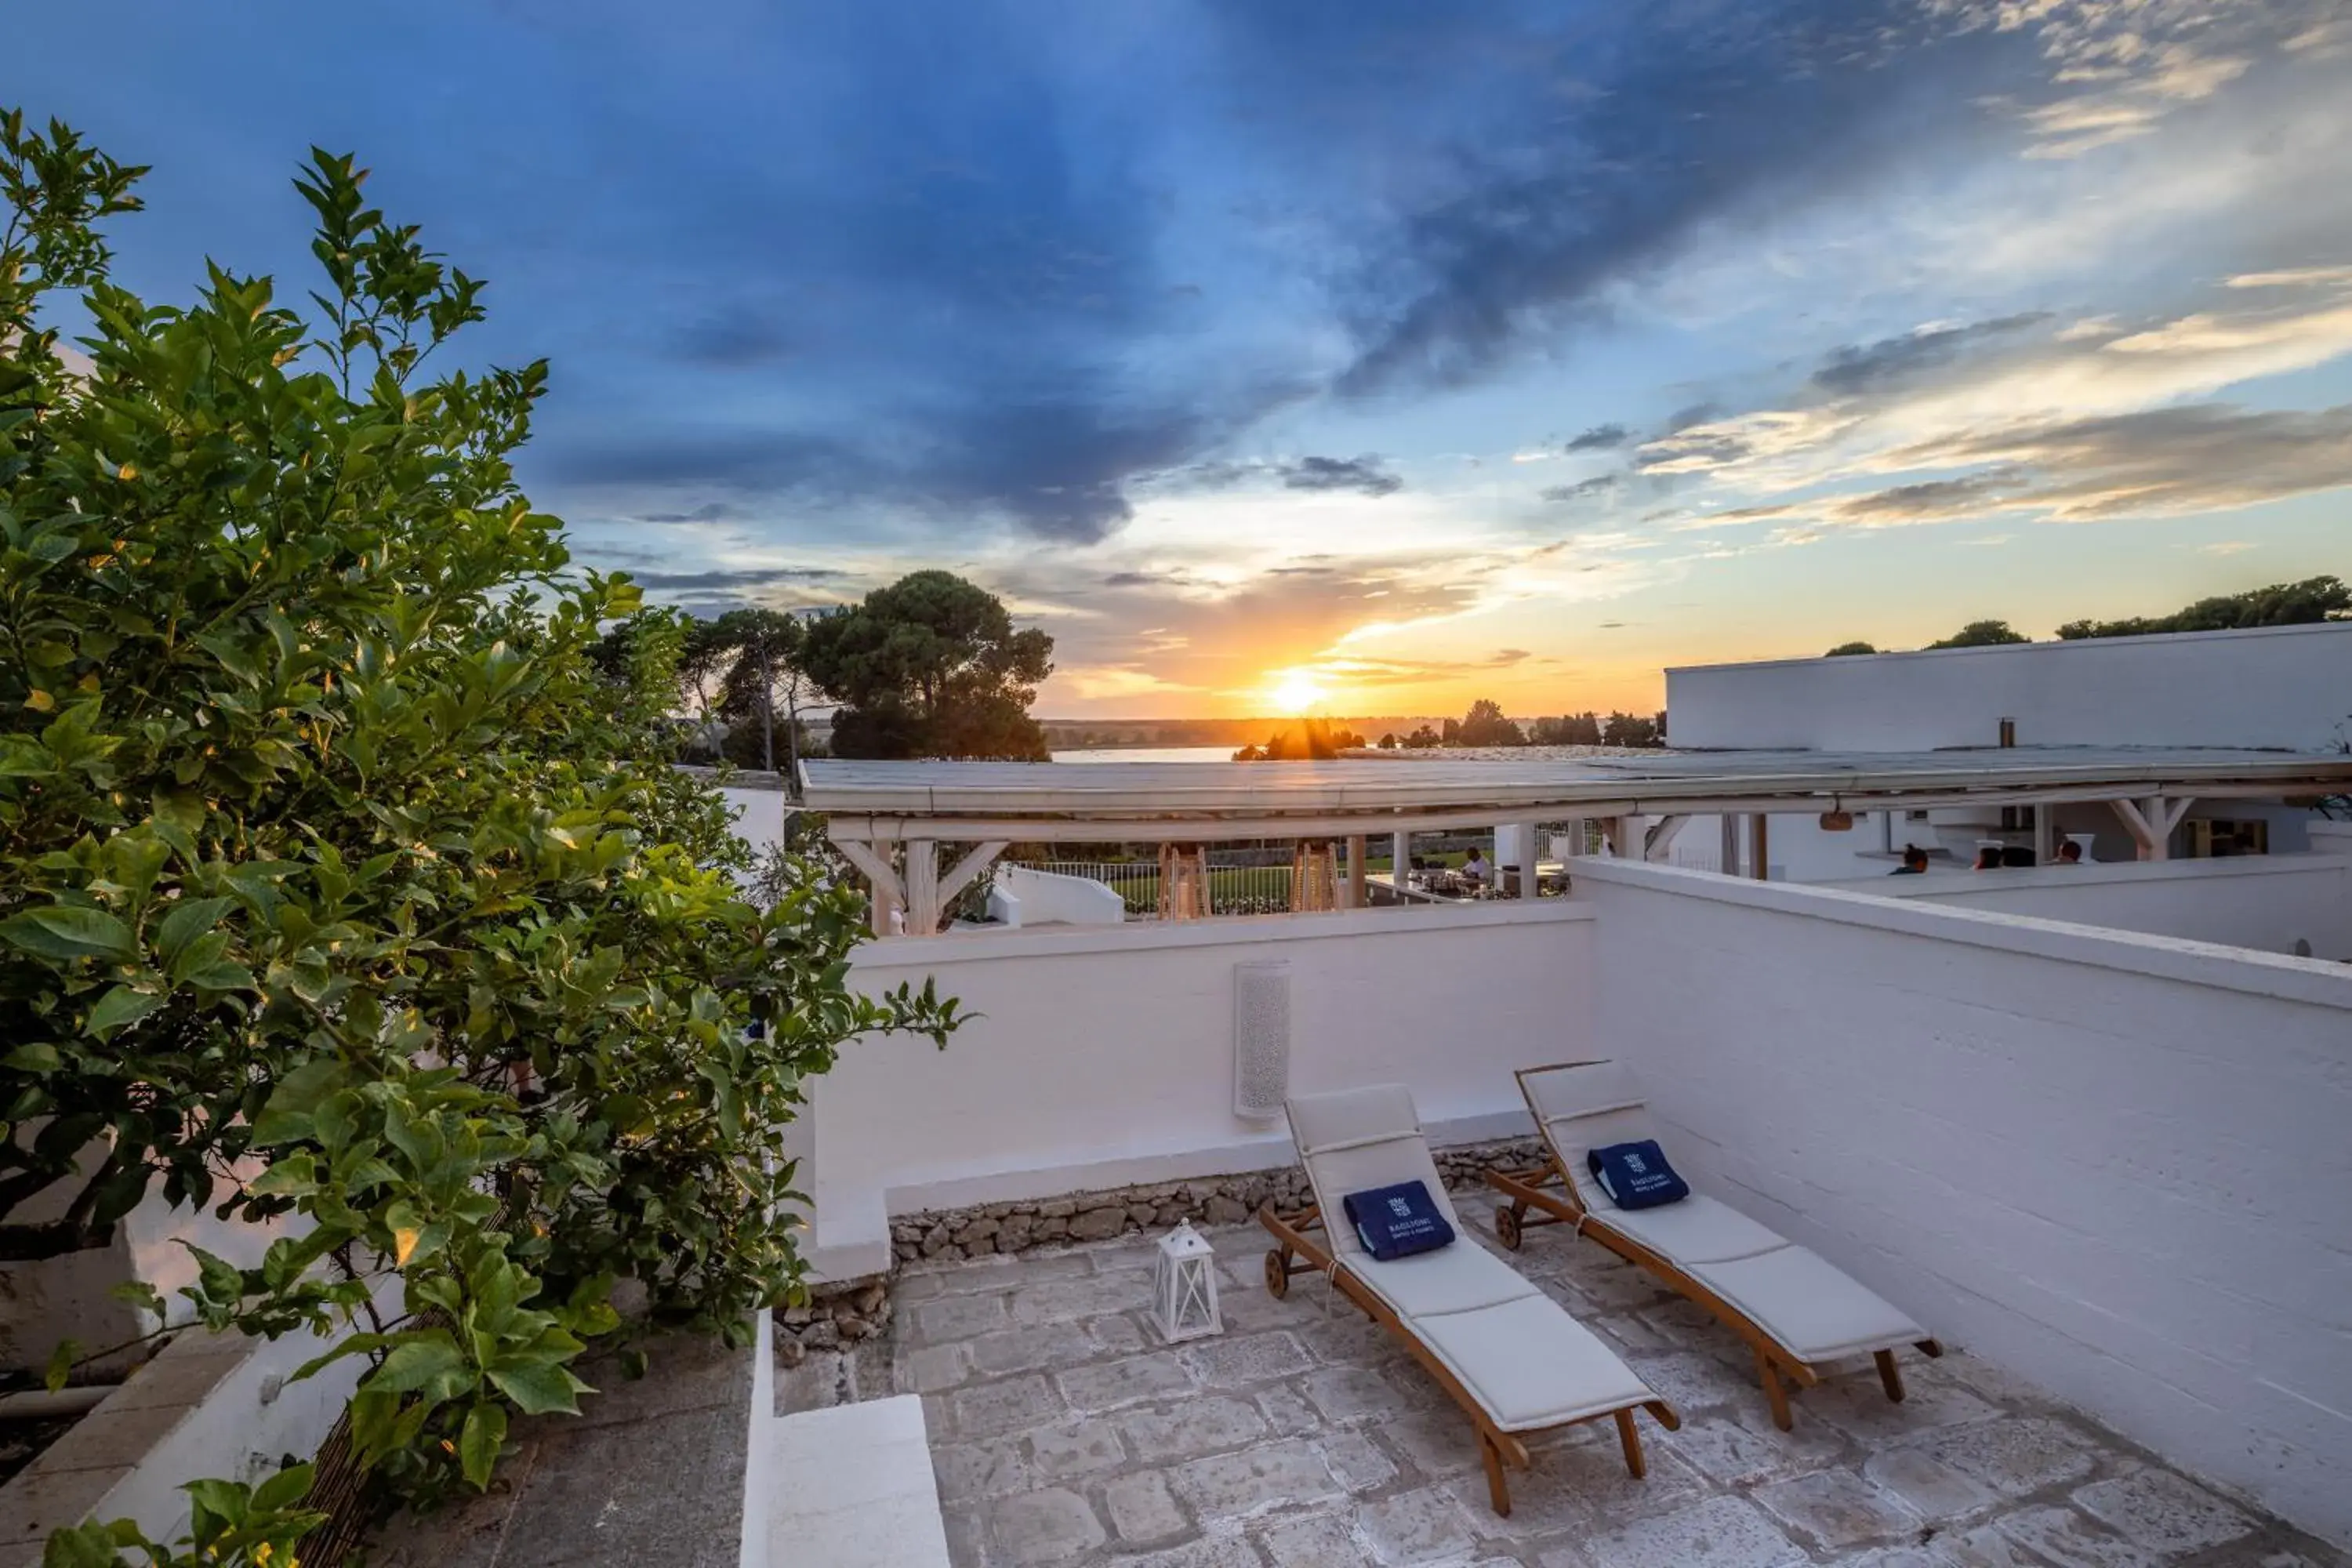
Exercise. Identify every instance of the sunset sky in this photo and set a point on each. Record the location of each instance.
(1409, 352)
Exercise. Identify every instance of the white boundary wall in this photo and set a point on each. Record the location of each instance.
(2118, 1163)
(2274, 686)
(1105, 1057)
(2262, 901)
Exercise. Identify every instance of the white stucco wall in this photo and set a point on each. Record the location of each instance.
(2114, 1163)
(2279, 686)
(2262, 901)
(1104, 1058)
(759, 815)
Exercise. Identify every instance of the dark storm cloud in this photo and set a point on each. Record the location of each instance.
(1872, 367)
(1058, 467)
(709, 511)
(745, 579)
(1365, 475)
(946, 266)
(2159, 462)
(1600, 484)
(1599, 438)
(1604, 163)
(1928, 501)
(741, 341)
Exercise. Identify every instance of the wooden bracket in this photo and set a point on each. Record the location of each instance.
(881, 879)
(1661, 837)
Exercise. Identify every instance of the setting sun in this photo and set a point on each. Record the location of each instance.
(1294, 691)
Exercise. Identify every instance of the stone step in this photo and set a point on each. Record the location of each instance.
(851, 1486)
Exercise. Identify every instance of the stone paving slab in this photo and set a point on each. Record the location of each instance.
(1063, 1432)
(651, 1472)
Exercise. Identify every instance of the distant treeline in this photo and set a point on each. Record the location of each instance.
(2312, 600)
(1309, 740)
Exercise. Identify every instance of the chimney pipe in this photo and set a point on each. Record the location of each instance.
(2008, 731)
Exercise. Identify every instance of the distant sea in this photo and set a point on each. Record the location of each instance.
(1150, 754)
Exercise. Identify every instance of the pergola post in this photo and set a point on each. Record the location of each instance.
(1528, 861)
(1729, 825)
(1759, 847)
(1358, 890)
(2045, 834)
(923, 876)
(1400, 860)
(2151, 822)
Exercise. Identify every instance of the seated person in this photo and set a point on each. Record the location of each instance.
(1475, 867)
(1915, 862)
(1988, 858)
(2069, 853)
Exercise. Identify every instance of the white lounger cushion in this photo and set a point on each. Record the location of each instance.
(1811, 1308)
(1530, 1363)
(1696, 1230)
(1520, 1355)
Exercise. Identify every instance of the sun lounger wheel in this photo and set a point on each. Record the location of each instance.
(1277, 1273)
(1506, 1226)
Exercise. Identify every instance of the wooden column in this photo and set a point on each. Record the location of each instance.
(922, 887)
(2151, 822)
(1731, 856)
(1759, 847)
(1528, 855)
(1358, 891)
(1400, 862)
(2046, 833)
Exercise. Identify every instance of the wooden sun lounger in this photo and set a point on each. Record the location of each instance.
(1508, 1354)
(1794, 1308)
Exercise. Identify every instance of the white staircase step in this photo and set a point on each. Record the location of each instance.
(851, 1486)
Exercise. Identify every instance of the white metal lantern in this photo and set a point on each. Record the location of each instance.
(1184, 1286)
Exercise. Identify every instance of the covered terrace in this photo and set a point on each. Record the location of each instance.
(894, 819)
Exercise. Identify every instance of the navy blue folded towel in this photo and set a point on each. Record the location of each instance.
(1636, 1175)
(1398, 1221)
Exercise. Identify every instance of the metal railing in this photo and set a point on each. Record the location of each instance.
(1234, 890)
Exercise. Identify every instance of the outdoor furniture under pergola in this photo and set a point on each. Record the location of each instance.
(891, 819)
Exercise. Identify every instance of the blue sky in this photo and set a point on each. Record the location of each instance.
(1415, 352)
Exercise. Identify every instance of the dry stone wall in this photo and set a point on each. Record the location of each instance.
(842, 1314)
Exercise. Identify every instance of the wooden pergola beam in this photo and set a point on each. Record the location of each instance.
(1174, 826)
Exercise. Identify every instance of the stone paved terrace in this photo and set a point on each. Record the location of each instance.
(1063, 1433)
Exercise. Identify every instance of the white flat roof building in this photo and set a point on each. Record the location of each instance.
(2273, 686)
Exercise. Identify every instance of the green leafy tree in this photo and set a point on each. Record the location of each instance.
(1848, 649)
(342, 871)
(2312, 600)
(930, 667)
(1982, 633)
(1568, 730)
(1634, 729)
(1484, 725)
